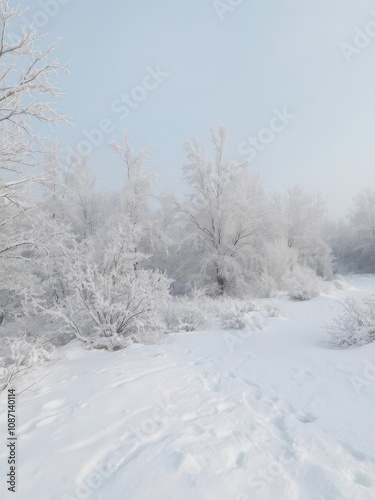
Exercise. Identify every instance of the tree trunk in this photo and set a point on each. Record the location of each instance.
(220, 281)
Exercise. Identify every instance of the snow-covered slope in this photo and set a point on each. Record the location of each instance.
(273, 414)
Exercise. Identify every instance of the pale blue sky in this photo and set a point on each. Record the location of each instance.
(263, 55)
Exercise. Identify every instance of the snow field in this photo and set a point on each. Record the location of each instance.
(227, 415)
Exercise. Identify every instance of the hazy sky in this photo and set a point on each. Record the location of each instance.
(230, 65)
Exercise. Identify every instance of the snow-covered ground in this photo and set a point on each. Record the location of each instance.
(213, 415)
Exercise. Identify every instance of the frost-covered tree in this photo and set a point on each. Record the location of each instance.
(163, 244)
(138, 187)
(223, 213)
(70, 197)
(362, 224)
(353, 238)
(344, 243)
(362, 215)
(27, 86)
(134, 199)
(301, 221)
(96, 286)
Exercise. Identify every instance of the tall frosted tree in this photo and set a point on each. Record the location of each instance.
(300, 219)
(362, 225)
(27, 94)
(222, 214)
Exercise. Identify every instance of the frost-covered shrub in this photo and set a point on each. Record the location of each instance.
(248, 306)
(271, 311)
(217, 306)
(237, 315)
(356, 325)
(304, 284)
(108, 300)
(112, 343)
(232, 316)
(105, 310)
(17, 355)
(184, 315)
(232, 319)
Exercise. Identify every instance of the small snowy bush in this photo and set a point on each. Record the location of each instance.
(19, 355)
(247, 306)
(356, 325)
(235, 314)
(232, 319)
(271, 311)
(112, 343)
(108, 300)
(238, 316)
(304, 284)
(184, 315)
